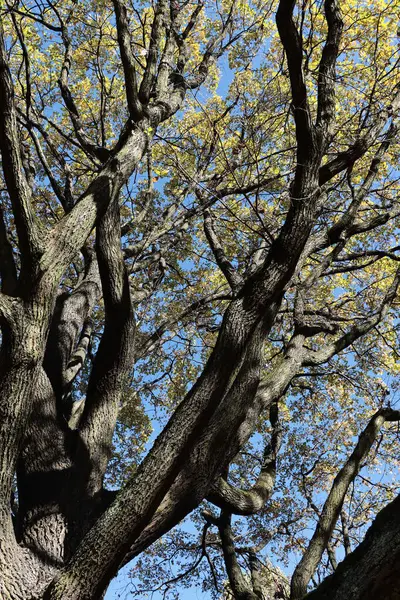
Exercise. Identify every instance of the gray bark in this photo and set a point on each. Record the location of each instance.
(69, 538)
(372, 570)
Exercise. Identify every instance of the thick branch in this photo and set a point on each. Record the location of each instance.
(371, 571)
(128, 61)
(114, 358)
(67, 328)
(242, 589)
(156, 34)
(272, 388)
(28, 228)
(248, 502)
(327, 71)
(333, 504)
(7, 263)
(293, 46)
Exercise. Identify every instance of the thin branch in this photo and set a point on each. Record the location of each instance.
(318, 357)
(92, 150)
(231, 274)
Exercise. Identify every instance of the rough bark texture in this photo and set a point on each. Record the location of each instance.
(372, 570)
(69, 536)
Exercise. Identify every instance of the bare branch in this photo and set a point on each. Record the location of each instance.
(344, 160)
(248, 502)
(28, 227)
(92, 150)
(333, 504)
(149, 343)
(231, 274)
(242, 589)
(318, 357)
(128, 61)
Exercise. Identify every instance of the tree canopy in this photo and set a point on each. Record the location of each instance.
(199, 307)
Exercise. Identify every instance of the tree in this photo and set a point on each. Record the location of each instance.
(228, 248)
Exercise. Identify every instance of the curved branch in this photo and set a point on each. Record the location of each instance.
(78, 357)
(248, 502)
(293, 46)
(70, 315)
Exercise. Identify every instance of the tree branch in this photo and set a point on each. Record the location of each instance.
(333, 504)
(231, 275)
(149, 343)
(318, 357)
(371, 570)
(67, 327)
(92, 150)
(293, 46)
(242, 589)
(128, 61)
(248, 502)
(115, 355)
(344, 160)
(8, 269)
(327, 71)
(157, 30)
(28, 227)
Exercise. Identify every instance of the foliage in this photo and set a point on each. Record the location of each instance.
(202, 212)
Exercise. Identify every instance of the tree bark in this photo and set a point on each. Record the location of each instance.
(372, 570)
